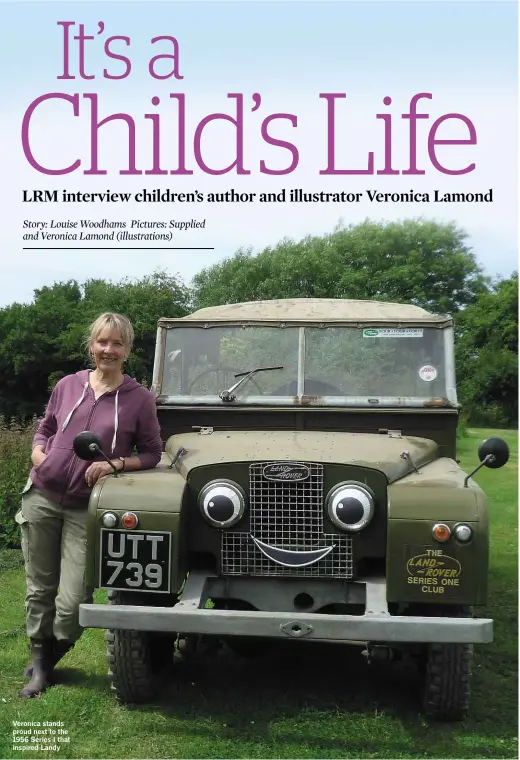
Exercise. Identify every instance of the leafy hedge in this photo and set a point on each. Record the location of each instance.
(15, 464)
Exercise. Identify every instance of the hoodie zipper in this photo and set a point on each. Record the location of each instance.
(75, 458)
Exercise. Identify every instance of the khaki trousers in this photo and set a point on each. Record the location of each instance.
(54, 548)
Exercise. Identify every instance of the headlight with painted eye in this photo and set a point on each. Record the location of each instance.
(350, 506)
(222, 503)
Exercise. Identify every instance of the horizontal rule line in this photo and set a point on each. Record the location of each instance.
(116, 248)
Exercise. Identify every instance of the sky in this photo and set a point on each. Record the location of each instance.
(463, 53)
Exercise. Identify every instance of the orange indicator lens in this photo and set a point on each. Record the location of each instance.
(441, 532)
(129, 520)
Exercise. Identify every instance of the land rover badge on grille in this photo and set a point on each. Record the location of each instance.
(286, 471)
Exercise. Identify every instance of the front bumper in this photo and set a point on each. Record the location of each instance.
(376, 625)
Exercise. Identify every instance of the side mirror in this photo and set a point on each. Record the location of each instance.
(87, 446)
(493, 453)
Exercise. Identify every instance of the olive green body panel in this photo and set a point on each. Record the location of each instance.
(157, 490)
(436, 492)
(420, 569)
(376, 452)
(156, 498)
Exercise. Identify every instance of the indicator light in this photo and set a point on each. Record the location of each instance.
(441, 532)
(129, 520)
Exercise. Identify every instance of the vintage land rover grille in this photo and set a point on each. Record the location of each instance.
(287, 515)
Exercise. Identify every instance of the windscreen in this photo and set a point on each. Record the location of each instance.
(332, 364)
(389, 362)
(205, 361)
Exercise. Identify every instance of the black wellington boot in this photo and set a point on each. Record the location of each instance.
(60, 647)
(41, 668)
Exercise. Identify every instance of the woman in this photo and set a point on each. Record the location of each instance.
(55, 500)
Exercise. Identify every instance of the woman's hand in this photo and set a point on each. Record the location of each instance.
(38, 455)
(98, 470)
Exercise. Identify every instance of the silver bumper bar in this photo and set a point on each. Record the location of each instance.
(376, 625)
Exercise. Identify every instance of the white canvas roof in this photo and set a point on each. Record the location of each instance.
(313, 310)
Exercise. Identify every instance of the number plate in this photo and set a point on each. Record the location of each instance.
(133, 561)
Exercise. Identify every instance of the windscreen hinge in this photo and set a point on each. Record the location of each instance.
(202, 429)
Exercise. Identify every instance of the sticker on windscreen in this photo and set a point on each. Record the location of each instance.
(393, 332)
(428, 373)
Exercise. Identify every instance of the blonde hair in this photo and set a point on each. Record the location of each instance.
(110, 320)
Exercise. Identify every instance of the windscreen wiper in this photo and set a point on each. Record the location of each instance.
(228, 395)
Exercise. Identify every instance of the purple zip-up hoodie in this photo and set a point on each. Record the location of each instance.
(122, 419)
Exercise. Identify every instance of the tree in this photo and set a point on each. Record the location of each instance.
(30, 349)
(142, 301)
(487, 355)
(414, 261)
(44, 340)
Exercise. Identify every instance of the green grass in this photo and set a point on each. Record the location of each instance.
(303, 703)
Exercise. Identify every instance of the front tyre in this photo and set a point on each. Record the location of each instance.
(137, 660)
(447, 681)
